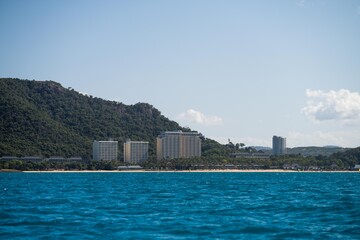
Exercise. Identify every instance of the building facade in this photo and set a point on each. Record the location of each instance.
(178, 144)
(135, 152)
(279, 145)
(105, 150)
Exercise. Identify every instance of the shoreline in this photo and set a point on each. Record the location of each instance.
(187, 171)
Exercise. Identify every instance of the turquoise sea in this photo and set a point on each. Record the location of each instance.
(180, 205)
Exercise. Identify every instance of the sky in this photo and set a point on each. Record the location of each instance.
(239, 70)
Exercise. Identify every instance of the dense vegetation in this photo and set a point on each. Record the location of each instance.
(337, 161)
(315, 151)
(41, 118)
(48, 166)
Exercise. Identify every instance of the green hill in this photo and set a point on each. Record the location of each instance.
(315, 151)
(350, 157)
(42, 118)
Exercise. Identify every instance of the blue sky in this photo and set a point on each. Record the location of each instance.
(239, 70)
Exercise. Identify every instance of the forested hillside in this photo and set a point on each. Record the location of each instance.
(349, 157)
(41, 118)
(315, 151)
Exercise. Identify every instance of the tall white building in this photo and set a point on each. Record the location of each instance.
(105, 150)
(278, 145)
(178, 144)
(135, 151)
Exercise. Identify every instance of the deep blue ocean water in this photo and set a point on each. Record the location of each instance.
(180, 205)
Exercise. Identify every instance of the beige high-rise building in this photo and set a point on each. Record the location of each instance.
(178, 144)
(135, 151)
(105, 150)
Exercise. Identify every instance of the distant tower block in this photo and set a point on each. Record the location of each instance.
(279, 145)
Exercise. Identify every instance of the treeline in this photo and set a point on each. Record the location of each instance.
(67, 166)
(42, 118)
(338, 161)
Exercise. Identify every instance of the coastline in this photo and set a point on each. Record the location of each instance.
(189, 171)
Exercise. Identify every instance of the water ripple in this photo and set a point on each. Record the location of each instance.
(180, 205)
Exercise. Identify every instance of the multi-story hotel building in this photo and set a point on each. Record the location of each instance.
(135, 151)
(105, 150)
(178, 144)
(278, 145)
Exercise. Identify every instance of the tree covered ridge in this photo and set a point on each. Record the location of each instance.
(42, 118)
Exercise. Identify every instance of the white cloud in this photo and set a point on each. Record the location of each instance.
(84, 94)
(341, 105)
(194, 116)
